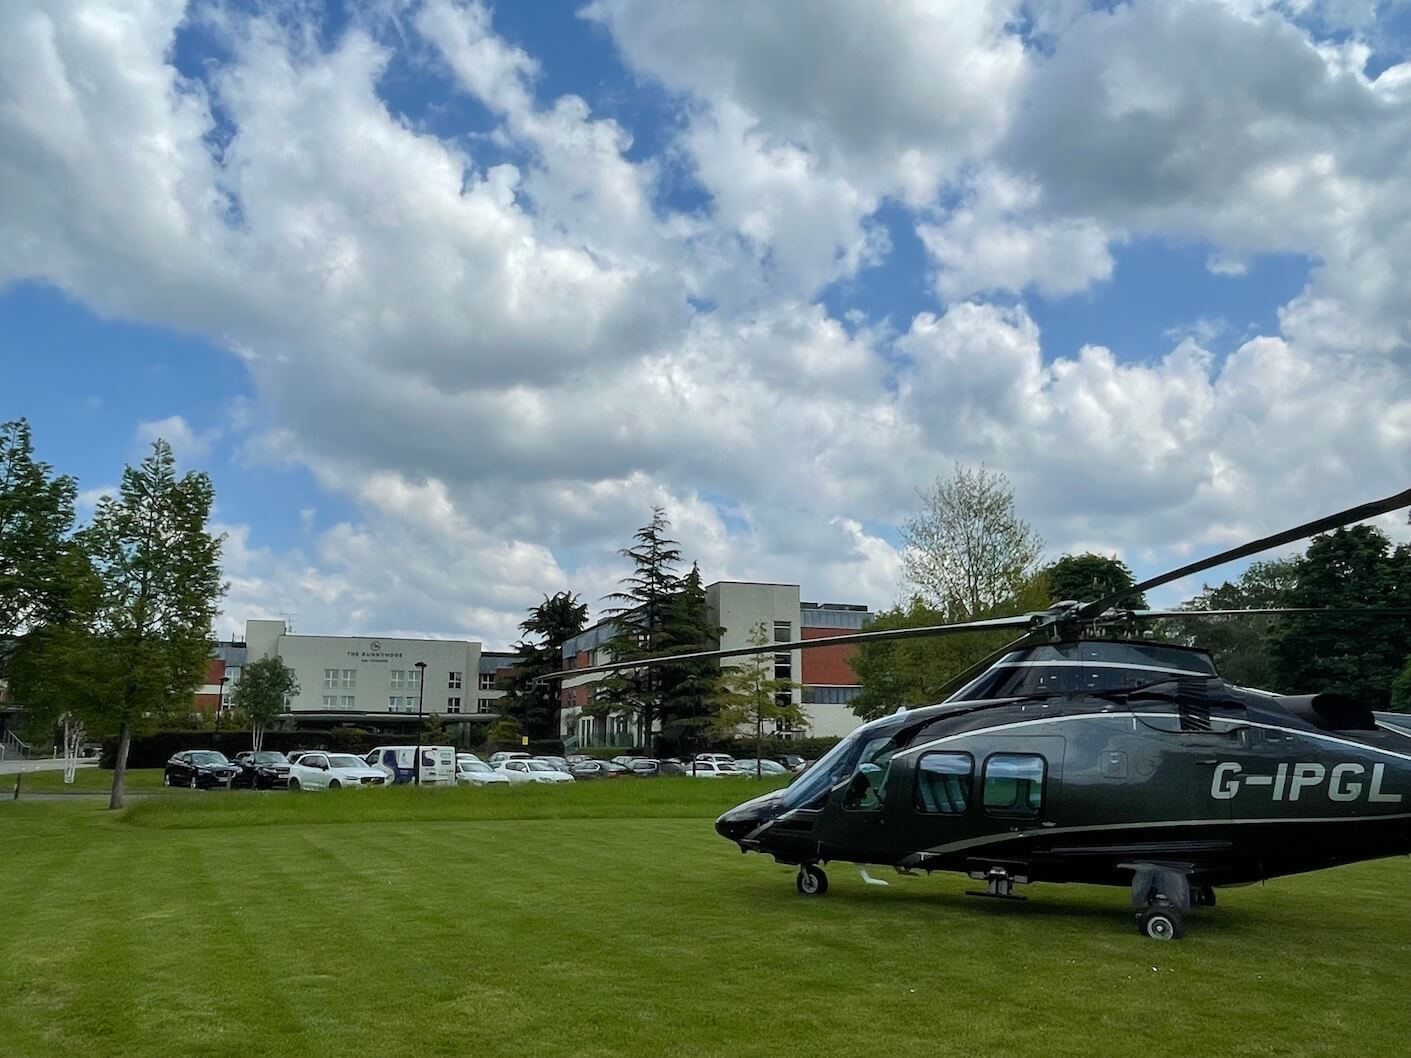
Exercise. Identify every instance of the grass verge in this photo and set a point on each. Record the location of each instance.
(86, 780)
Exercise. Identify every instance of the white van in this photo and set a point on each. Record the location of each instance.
(438, 764)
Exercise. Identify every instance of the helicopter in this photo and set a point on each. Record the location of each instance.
(1067, 756)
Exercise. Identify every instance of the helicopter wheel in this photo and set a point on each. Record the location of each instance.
(1161, 922)
(811, 880)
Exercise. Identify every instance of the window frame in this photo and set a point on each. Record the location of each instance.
(454, 680)
(862, 758)
(920, 806)
(1012, 812)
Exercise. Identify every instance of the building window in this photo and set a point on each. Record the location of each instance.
(330, 701)
(330, 678)
(394, 703)
(783, 632)
(350, 678)
(824, 695)
(405, 679)
(487, 681)
(454, 683)
(453, 705)
(1014, 784)
(943, 782)
(486, 705)
(347, 701)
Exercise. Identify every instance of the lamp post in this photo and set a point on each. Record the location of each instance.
(220, 702)
(420, 698)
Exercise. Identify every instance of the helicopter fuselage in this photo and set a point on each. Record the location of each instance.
(1224, 788)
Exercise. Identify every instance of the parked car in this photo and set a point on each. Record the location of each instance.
(577, 758)
(398, 763)
(266, 769)
(598, 769)
(557, 763)
(523, 771)
(497, 758)
(472, 771)
(760, 769)
(333, 771)
(792, 761)
(200, 769)
(718, 758)
(624, 760)
(711, 769)
(651, 768)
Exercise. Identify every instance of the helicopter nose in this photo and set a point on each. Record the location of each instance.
(744, 819)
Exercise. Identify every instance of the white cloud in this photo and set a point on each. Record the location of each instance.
(188, 444)
(499, 367)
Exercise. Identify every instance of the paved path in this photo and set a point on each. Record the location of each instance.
(9, 767)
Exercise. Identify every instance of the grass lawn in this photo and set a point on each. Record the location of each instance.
(610, 920)
(86, 780)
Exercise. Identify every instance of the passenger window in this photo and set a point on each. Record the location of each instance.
(864, 792)
(1014, 784)
(943, 782)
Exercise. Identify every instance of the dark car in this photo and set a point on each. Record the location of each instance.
(200, 769)
(267, 769)
(651, 768)
(793, 762)
(598, 769)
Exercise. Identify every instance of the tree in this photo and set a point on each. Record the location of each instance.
(966, 550)
(532, 700)
(150, 633)
(749, 695)
(639, 618)
(36, 518)
(1240, 645)
(1401, 690)
(1088, 577)
(1357, 655)
(912, 672)
(263, 693)
(688, 688)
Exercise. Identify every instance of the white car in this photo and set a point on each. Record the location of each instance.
(333, 771)
(499, 758)
(767, 769)
(716, 758)
(471, 771)
(711, 769)
(522, 771)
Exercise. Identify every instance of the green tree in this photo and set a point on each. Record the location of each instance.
(1087, 577)
(263, 693)
(688, 688)
(1240, 645)
(149, 636)
(1357, 655)
(639, 618)
(533, 701)
(967, 550)
(37, 558)
(505, 732)
(747, 694)
(912, 672)
(1401, 690)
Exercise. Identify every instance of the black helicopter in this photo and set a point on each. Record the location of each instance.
(1066, 757)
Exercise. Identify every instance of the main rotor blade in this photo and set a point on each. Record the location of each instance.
(856, 638)
(1254, 547)
(956, 683)
(1118, 616)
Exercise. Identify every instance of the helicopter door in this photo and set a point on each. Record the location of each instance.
(854, 824)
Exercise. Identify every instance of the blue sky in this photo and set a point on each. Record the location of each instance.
(444, 295)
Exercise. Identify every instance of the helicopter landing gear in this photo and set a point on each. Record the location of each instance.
(999, 883)
(811, 880)
(1162, 894)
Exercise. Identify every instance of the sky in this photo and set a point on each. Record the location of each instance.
(446, 295)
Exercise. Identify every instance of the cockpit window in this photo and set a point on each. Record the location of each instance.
(811, 788)
(864, 792)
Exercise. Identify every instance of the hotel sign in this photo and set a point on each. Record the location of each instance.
(374, 653)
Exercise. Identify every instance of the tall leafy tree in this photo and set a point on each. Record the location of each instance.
(1352, 654)
(640, 614)
(263, 692)
(1240, 645)
(38, 564)
(1085, 577)
(530, 699)
(748, 694)
(967, 550)
(1401, 689)
(688, 688)
(149, 636)
(911, 672)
